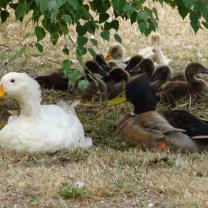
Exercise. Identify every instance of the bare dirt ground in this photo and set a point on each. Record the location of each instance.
(113, 174)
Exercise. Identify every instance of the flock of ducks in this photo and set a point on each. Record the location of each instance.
(143, 80)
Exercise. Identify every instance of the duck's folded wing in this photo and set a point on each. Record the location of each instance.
(130, 130)
(185, 120)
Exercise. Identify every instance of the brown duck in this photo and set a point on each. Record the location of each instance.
(160, 76)
(54, 79)
(145, 127)
(118, 78)
(173, 90)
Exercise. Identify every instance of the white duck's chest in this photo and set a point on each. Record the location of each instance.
(52, 129)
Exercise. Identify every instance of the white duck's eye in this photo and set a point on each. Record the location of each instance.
(12, 80)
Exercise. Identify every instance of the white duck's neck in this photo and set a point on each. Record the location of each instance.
(29, 108)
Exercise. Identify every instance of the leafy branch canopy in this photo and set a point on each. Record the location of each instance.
(56, 16)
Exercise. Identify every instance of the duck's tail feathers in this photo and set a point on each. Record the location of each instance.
(68, 107)
(87, 143)
(200, 137)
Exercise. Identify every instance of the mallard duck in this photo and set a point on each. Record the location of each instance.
(116, 53)
(147, 128)
(38, 128)
(160, 76)
(154, 52)
(173, 90)
(54, 79)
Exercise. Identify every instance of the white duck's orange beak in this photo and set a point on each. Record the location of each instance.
(2, 92)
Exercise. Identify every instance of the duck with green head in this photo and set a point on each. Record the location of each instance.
(146, 127)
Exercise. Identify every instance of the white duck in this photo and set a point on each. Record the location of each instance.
(38, 128)
(154, 52)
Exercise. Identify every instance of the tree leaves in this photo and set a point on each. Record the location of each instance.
(117, 37)
(40, 33)
(58, 15)
(43, 5)
(83, 84)
(3, 15)
(20, 10)
(105, 35)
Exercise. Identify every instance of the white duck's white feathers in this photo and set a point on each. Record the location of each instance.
(39, 128)
(154, 52)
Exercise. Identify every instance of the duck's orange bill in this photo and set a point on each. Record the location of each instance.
(2, 92)
(108, 57)
(162, 145)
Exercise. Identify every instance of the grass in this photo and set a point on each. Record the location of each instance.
(113, 174)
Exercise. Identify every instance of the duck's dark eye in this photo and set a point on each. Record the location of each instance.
(12, 80)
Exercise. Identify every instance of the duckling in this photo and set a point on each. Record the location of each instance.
(38, 128)
(143, 70)
(160, 76)
(117, 83)
(99, 58)
(146, 127)
(154, 52)
(54, 79)
(133, 62)
(116, 53)
(173, 90)
(119, 78)
(97, 88)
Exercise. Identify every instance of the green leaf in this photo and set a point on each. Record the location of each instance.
(40, 33)
(118, 38)
(81, 40)
(118, 6)
(194, 22)
(66, 64)
(67, 18)
(143, 27)
(81, 29)
(129, 10)
(83, 84)
(94, 42)
(39, 47)
(3, 16)
(103, 17)
(189, 3)
(142, 16)
(105, 35)
(43, 5)
(92, 52)
(20, 10)
(74, 76)
(54, 38)
(204, 11)
(115, 24)
(73, 3)
(205, 24)
(4, 3)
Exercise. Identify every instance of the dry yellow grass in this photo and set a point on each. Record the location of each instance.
(113, 174)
